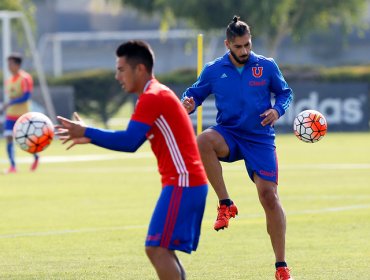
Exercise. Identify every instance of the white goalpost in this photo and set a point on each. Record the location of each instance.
(6, 17)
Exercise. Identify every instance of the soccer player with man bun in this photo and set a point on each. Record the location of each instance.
(159, 117)
(242, 82)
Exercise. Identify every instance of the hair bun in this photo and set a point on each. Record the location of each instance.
(235, 19)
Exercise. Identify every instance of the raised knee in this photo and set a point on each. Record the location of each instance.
(205, 143)
(204, 140)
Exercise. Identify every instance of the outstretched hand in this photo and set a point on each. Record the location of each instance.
(270, 116)
(189, 104)
(72, 130)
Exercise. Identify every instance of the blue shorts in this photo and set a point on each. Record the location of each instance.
(8, 127)
(259, 158)
(177, 218)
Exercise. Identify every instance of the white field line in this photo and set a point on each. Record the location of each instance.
(316, 211)
(70, 231)
(316, 166)
(132, 227)
(141, 155)
(82, 158)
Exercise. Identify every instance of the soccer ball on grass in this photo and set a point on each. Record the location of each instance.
(33, 132)
(310, 126)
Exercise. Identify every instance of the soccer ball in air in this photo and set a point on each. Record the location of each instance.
(33, 132)
(310, 126)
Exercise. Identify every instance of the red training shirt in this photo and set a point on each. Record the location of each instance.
(171, 136)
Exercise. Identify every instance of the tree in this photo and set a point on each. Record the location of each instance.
(13, 5)
(300, 18)
(274, 20)
(25, 6)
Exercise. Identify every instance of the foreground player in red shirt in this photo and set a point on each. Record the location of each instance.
(159, 117)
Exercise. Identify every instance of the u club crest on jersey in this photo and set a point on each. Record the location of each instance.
(257, 72)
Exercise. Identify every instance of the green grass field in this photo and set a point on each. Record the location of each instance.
(84, 215)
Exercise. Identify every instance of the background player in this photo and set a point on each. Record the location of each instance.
(19, 88)
(242, 82)
(159, 117)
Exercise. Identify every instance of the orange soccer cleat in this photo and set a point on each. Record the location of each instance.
(224, 215)
(283, 273)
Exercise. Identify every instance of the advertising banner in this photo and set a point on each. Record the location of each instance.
(345, 106)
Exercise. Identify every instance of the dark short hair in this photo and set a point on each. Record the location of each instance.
(16, 57)
(137, 52)
(237, 28)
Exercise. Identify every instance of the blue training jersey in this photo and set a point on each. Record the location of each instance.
(240, 97)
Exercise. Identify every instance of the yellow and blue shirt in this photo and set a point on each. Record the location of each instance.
(18, 88)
